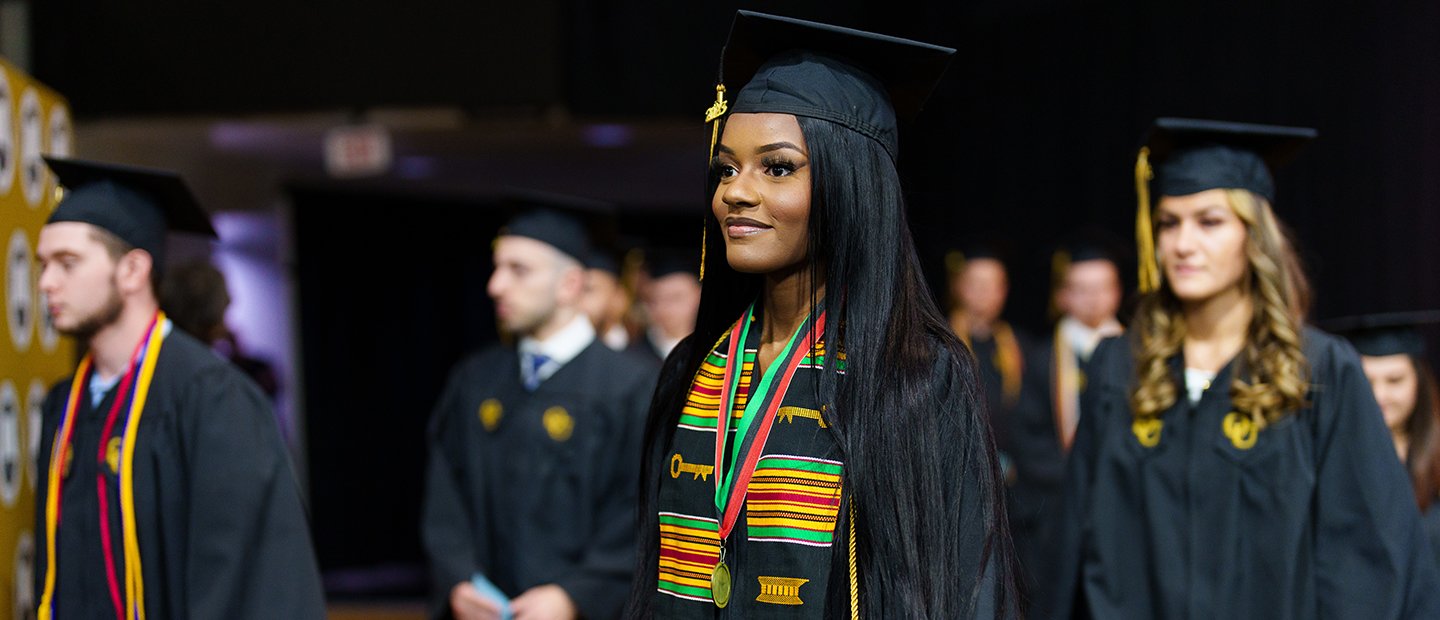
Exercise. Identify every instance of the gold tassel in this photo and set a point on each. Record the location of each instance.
(1144, 231)
(854, 568)
(712, 117)
(1059, 267)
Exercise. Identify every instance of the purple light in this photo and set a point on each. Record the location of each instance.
(608, 136)
(416, 167)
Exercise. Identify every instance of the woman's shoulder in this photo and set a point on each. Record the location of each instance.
(1325, 352)
(1112, 363)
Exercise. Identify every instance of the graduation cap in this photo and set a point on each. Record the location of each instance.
(135, 204)
(1191, 156)
(578, 227)
(1393, 333)
(975, 249)
(604, 259)
(860, 80)
(670, 261)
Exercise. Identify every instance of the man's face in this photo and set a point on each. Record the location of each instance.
(602, 289)
(672, 301)
(526, 283)
(982, 287)
(77, 276)
(1091, 292)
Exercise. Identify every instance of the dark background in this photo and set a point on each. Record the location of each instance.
(1031, 135)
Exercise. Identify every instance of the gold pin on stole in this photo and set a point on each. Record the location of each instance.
(780, 590)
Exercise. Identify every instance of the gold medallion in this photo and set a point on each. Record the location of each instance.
(720, 585)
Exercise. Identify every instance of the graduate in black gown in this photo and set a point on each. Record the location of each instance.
(818, 448)
(1231, 462)
(168, 492)
(1087, 295)
(671, 295)
(979, 286)
(534, 448)
(1392, 352)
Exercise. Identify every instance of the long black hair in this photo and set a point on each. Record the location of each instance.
(919, 459)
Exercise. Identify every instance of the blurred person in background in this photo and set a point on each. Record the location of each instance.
(530, 487)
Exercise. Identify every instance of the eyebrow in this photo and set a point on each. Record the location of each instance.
(56, 255)
(774, 146)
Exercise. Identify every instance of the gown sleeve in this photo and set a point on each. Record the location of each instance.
(249, 553)
(445, 519)
(1372, 558)
(601, 581)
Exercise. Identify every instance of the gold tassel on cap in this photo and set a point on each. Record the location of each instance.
(1144, 231)
(712, 117)
(713, 114)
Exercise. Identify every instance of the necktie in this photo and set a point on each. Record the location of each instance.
(533, 362)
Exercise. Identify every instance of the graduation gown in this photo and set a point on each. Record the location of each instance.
(537, 488)
(1002, 362)
(222, 531)
(781, 552)
(1431, 520)
(1039, 469)
(1190, 518)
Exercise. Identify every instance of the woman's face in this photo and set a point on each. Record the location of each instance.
(1201, 243)
(763, 200)
(1396, 384)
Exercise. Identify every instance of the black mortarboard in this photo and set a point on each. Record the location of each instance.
(669, 261)
(1192, 156)
(859, 80)
(1086, 244)
(568, 223)
(135, 204)
(1393, 333)
(1185, 156)
(603, 259)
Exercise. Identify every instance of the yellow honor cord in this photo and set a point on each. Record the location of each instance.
(1144, 231)
(52, 493)
(712, 117)
(134, 579)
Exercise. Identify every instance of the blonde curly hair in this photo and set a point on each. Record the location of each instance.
(1271, 376)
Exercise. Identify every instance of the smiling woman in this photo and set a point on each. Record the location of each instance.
(1230, 462)
(816, 448)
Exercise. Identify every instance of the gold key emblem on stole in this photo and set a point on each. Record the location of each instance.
(679, 466)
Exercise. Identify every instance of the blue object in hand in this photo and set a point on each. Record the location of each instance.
(488, 591)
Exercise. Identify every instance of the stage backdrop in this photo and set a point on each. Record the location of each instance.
(33, 120)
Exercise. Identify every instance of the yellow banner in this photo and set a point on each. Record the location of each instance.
(34, 120)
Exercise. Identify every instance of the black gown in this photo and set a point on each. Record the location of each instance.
(1039, 471)
(1309, 518)
(221, 526)
(537, 488)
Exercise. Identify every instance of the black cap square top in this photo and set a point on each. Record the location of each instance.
(1393, 333)
(1192, 155)
(860, 80)
(576, 226)
(135, 204)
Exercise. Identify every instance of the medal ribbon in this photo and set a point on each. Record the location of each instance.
(730, 488)
(134, 583)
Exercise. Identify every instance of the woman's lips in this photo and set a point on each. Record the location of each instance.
(741, 227)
